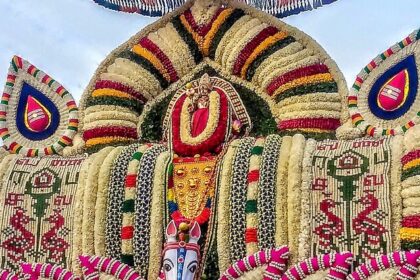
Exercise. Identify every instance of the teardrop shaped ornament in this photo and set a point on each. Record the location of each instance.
(394, 93)
(37, 117)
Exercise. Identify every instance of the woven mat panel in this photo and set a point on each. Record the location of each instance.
(351, 199)
(36, 218)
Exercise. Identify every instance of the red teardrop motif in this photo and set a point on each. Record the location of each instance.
(394, 93)
(37, 118)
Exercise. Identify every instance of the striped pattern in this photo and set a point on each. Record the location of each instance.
(47, 271)
(6, 275)
(338, 265)
(115, 202)
(408, 263)
(127, 228)
(158, 8)
(268, 56)
(275, 259)
(376, 129)
(410, 225)
(62, 99)
(251, 210)
(94, 266)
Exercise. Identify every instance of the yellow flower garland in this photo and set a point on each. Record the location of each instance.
(261, 47)
(153, 59)
(214, 115)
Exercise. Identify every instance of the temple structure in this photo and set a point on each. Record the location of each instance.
(216, 143)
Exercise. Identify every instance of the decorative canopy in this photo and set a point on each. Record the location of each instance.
(157, 8)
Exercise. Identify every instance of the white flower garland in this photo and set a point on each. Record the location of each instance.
(89, 201)
(294, 194)
(101, 201)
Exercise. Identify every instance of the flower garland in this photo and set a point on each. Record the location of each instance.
(63, 120)
(223, 206)
(267, 192)
(294, 180)
(115, 201)
(128, 215)
(274, 259)
(252, 221)
(101, 200)
(237, 199)
(407, 261)
(46, 271)
(307, 178)
(142, 210)
(77, 243)
(339, 265)
(94, 266)
(243, 43)
(364, 113)
(410, 224)
(157, 214)
(6, 275)
(210, 139)
(281, 230)
(397, 148)
(89, 201)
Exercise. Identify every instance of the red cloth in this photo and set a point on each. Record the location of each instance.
(199, 121)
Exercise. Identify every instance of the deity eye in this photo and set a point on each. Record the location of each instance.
(192, 267)
(167, 265)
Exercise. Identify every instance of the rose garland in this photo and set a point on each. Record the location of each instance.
(115, 201)
(101, 200)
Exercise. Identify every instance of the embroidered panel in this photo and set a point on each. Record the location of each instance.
(350, 207)
(37, 208)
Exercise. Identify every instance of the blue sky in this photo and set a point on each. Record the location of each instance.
(69, 38)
